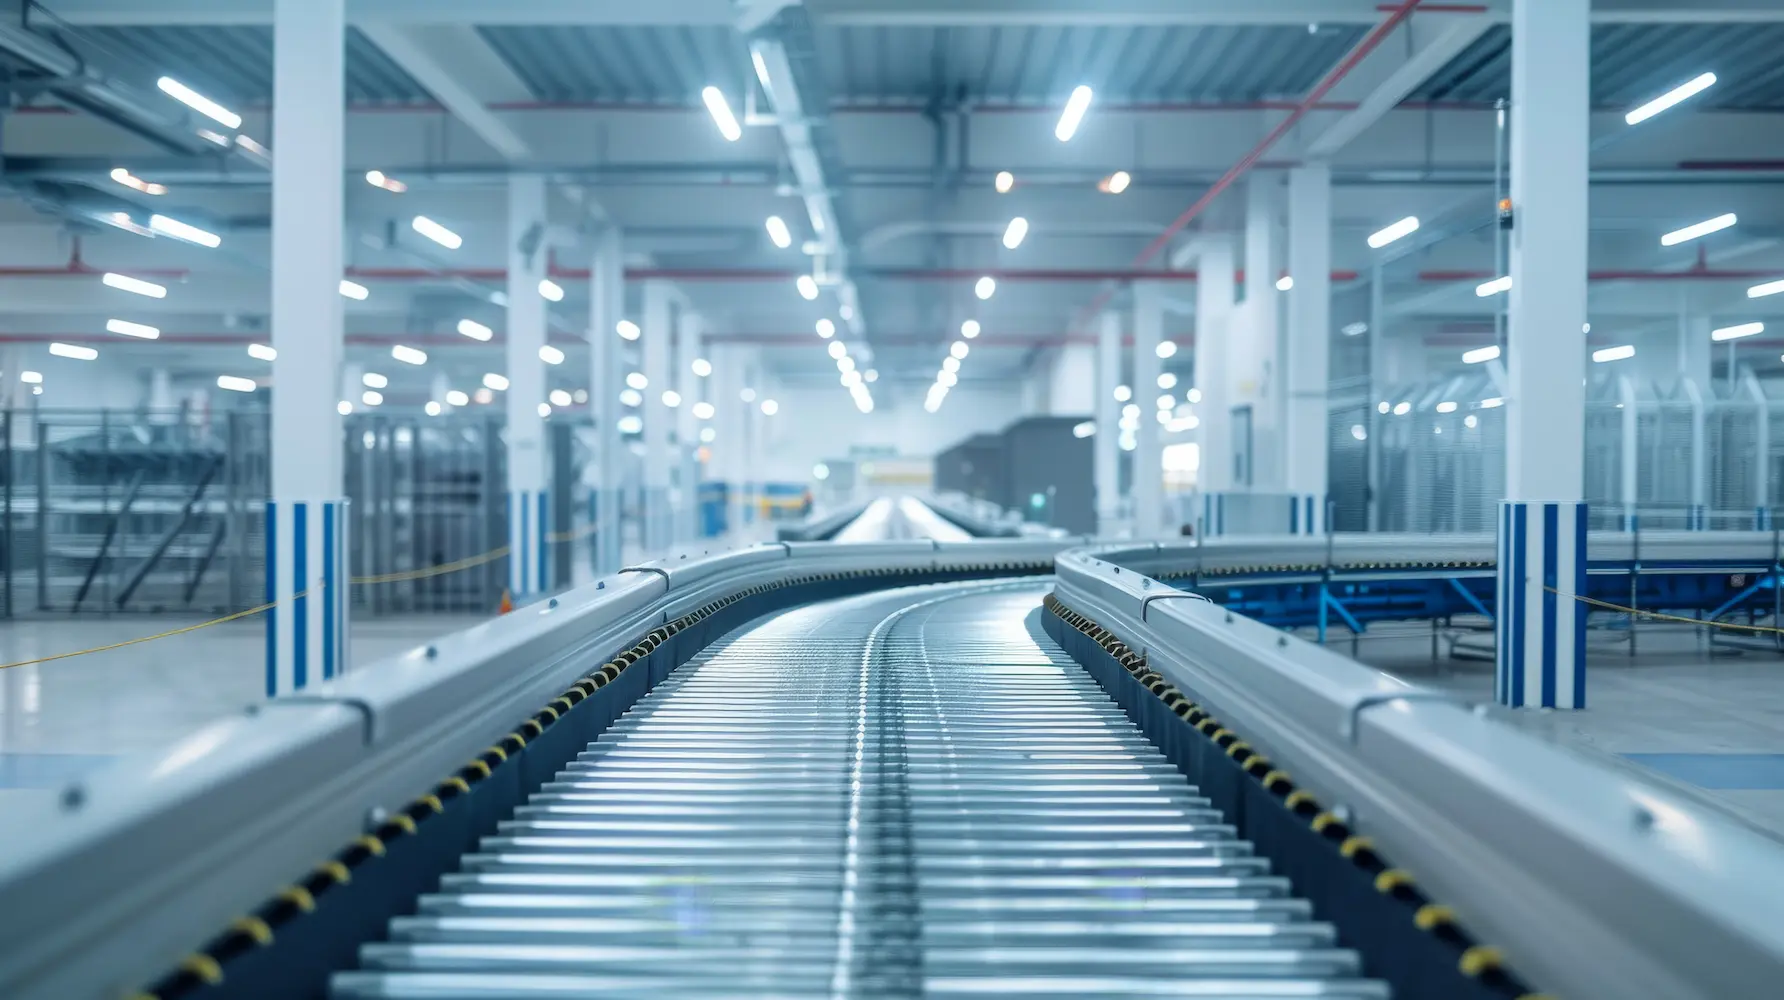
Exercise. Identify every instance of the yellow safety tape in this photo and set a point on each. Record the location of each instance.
(470, 562)
(1662, 616)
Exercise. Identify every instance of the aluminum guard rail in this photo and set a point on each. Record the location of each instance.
(1595, 885)
(821, 526)
(106, 888)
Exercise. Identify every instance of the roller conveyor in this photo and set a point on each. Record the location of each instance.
(913, 792)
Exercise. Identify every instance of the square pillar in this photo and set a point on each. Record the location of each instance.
(689, 345)
(1255, 377)
(1541, 626)
(1306, 435)
(307, 570)
(1148, 460)
(529, 514)
(658, 332)
(606, 381)
(1214, 330)
(1108, 424)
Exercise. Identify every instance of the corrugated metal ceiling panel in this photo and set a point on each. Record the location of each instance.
(622, 64)
(1633, 63)
(232, 64)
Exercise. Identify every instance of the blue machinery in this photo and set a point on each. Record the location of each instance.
(1030, 767)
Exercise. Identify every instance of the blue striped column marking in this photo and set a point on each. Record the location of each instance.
(529, 527)
(307, 574)
(1540, 629)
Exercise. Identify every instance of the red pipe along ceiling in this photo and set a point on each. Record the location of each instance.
(721, 275)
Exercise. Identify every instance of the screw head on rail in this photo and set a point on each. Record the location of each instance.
(73, 797)
(551, 603)
(433, 652)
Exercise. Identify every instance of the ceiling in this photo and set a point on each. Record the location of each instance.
(913, 109)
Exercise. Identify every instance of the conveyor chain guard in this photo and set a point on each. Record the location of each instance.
(1403, 936)
(208, 972)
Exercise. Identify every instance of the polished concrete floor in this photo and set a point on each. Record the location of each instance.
(1707, 721)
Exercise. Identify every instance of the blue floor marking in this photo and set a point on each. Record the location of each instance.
(47, 770)
(1727, 771)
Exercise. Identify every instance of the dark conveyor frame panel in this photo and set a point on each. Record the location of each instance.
(286, 948)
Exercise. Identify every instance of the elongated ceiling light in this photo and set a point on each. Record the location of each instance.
(778, 232)
(262, 352)
(474, 330)
(125, 283)
(1695, 86)
(721, 114)
(235, 383)
(1015, 233)
(184, 231)
(436, 232)
(1069, 119)
(1116, 182)
(497, 382)
(1405, 227)
(550, 355)
(75, 351)
(125, 328)
(354, 290)
(627, 330)
(1703, 228)
(1494, 287)
(808, 287)
(377, 178)
(1737, 332)
(136, 183)
(550, 290)
(1006, 182)
(1480, 354)
(408, 355)
(986, 287)
(1769, 288)
(198, 102)
(970, 329)
(1614, 353)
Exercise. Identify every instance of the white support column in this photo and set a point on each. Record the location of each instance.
(1215, 330)
(1542, 532)
(1108, 424)
(605, 382)
(529, 516)
(659, 328)
(1148, 467)
(1255, 375)
(729, 428)
(306, 518)
(688, 346)
(1306, 435)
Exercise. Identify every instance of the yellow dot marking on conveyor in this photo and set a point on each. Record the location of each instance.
(499, 752)
(1354, 844)
(1392, 879)
(1480, 959)
(481, 767)
(1271, 777)
(336, 871)
(1298, 796)
(432, 802)
(372, 844)
(1433, 915)
(299, 897)
(459, 783)
(402, 822)
(1324, 820)
(204, 967)
(255, 928)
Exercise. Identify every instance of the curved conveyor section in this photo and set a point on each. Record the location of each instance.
(913, 792)
(907, 517)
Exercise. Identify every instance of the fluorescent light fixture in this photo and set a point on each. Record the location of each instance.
(136, 183)
(198, 102)
(1769, 288)
(1480, 355)
(377, 178)
(124, 327)
(1167, 381)
(235, 383)
(630, 424)
(808, 287)
(947, 378)
(1693, 87)
(1285, 283)
(636, 380)
(1166, 349)
(951, 364)
(845, 364)
(408, 355)
(1015, 233)
(544, 409)
(1194, 395)
(1492, 403)
(1494, 287)
(1355, 329)
(559, 397)
(1405, 227)
(1737, 332)
(1614, 353)
(343, 407)
(1075, 106)
(958, 349)
(846, 311)
(779, 233)
(970, 329)
(671, 398)
(770, 407)
(826, 329)
(373, 380)
(1006, 182)
(1123, 394)
(550, 290)
(75, 351)
(433, 408)
(871, 375)
(850, 379)
(372, 397)
(704, 410)
(125, 283)
(747, 394)
(628, 330)
(1471, 421)
(354, 290)
(457, 397)
(1447, 406)
(1116, 182)
(1166, 401)
(550, 355)
(721, 114)
(475, 330)
(1131, 412)
(837, 349)
(1084, 430)
(986, 287)
(1703, 228)
(436, 232)
(262, 352)
(1402, 409)
(31, 378)
(184, 231)
(493, 381)
(700, 367)
(631, 397)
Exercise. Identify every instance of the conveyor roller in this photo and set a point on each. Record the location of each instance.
(910, 793)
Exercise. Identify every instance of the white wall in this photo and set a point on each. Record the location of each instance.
(815, 425)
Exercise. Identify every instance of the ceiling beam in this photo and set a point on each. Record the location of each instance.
(1432, 43)
(880, 12)
(453, 63)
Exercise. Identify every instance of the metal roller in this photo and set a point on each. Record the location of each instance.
(912, 793)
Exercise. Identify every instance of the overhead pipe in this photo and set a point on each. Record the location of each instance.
(751, 274)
